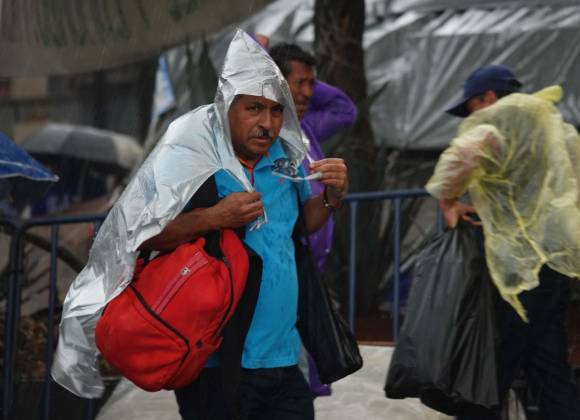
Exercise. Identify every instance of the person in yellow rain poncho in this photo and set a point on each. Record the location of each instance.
(518, 161)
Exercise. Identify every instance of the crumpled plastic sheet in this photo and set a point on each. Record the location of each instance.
(424, 58)
(519, 161)
(400, 6)
(421, 57)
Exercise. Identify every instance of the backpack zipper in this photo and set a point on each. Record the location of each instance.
(195, 263)
(231, 303)
(162, 321)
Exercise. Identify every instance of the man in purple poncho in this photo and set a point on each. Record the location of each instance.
(323, 110)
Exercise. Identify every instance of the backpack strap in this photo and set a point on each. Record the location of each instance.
(235, 335)
(300, 233)
(207, 196)
(235, 331)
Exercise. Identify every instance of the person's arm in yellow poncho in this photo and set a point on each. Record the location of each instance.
(455, 170)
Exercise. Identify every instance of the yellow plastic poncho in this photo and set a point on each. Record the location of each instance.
(519, 162)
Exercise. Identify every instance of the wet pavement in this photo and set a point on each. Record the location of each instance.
(359, 396)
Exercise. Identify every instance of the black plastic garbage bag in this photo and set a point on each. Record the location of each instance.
(324, 333)
(446, 353)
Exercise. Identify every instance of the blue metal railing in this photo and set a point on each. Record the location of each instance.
(9, 358)
(396, 196)
(18, 230)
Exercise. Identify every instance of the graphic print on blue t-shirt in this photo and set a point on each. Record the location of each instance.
(272, 340)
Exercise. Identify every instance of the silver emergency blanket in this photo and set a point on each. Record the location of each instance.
(63, 37)
(421, 58)
(195, 146)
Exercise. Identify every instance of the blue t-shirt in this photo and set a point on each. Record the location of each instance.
(272, 340)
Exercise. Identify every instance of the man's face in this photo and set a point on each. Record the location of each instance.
(482, 101)
(301, 82)
(255, 123)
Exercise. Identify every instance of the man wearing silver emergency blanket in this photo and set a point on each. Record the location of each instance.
(240, 140)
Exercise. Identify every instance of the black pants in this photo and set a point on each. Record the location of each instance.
(265, 394)
(539, 347)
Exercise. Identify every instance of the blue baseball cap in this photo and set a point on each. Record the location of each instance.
(492, 77)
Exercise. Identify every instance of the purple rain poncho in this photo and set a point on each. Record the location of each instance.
(330, 111)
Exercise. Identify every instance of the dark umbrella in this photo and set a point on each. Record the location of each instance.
(85, 143)
(22, 179)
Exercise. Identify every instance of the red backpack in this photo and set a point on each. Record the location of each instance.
(161, 330)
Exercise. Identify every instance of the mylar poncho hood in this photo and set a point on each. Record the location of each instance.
(194, 147)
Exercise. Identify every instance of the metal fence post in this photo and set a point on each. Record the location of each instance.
(352, 266)
(397, 268)
(15, 269)
(51, 309)
(10, 322)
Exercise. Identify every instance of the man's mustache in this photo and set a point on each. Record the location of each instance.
(262, 133)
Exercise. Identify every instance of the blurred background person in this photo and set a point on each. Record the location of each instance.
(517, 159)
(323, 111)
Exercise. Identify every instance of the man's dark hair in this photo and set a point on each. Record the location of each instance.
(284, 54)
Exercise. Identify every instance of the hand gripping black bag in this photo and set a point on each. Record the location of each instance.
(446, 353)
(324, 333)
